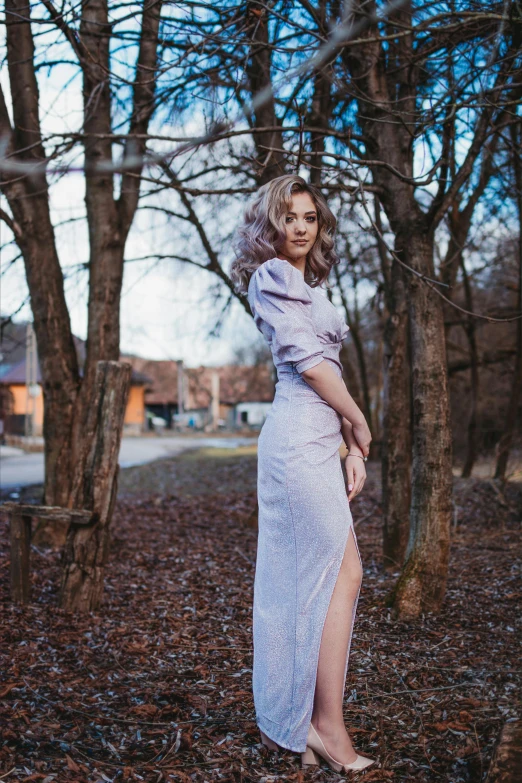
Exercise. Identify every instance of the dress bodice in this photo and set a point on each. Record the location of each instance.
(299, 323)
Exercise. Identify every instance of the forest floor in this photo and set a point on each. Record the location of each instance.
(156, 685)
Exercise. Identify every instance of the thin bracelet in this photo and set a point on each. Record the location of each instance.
(357, 455)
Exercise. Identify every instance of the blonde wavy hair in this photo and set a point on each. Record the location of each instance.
(263, 232)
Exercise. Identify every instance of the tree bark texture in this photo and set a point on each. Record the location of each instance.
(320, 110)
(109, 219)
(507, 759)
(363, 374)
(20, 525)
(396, 448)
(28, 199)
(386, 110)
(350, 376)
(95, 488)
(269, 144)
(471, 334)
(360, 390)
(422, 583)
(504, 446)
(459, 224)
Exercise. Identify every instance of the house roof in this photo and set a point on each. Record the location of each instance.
(237, 383)
(13, 356)
(15, 373)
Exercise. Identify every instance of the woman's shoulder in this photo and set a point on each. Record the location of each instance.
(278, 273)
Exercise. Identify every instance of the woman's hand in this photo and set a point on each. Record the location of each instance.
(356, 475)
(362, 435)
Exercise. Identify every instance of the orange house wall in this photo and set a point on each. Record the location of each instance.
(134, 412)
(19, 393)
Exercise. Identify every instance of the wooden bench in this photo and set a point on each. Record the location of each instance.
(20, 521)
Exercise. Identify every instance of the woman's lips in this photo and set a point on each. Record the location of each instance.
(300, 241)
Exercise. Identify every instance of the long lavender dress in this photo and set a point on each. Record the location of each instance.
(304, 513)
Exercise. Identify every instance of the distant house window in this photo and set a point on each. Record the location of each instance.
(244, 417)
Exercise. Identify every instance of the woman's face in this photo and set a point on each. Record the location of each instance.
(301, 228)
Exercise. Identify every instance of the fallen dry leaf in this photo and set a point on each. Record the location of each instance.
(155, 685)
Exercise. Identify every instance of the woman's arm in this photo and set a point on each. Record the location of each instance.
(349, 437)
(325, 381)
(354, 465)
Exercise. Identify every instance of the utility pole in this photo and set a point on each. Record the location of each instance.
(181, 408)
(214, 405)
(32, 389)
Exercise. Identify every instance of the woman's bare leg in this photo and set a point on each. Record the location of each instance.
(327, 714)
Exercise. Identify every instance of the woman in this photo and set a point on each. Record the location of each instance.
(308, 567)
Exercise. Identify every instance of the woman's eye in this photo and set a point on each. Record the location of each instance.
(311, 219)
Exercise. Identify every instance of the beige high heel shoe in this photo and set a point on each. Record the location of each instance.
(268, 742)
(315, 748)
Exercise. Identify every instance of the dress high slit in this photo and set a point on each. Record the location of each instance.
(304, 513)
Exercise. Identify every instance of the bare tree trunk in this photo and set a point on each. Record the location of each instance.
(20, 557)
(382, 100)
(459, 221)
(396, 436)
(379, 390)
(350, 375)
(361, 361)
(396, 448)
(269, 144)
(106, 242)
(320, 112)
(470, 328)
(66, 396)
(109, 219)
(95, 488)
(28, 200)
(507, 757)
(506, 440)
(362, 389)
(422, 583)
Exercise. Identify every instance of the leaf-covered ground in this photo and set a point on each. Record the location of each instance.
(156, 685)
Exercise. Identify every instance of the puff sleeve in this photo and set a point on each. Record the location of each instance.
(282, 310)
